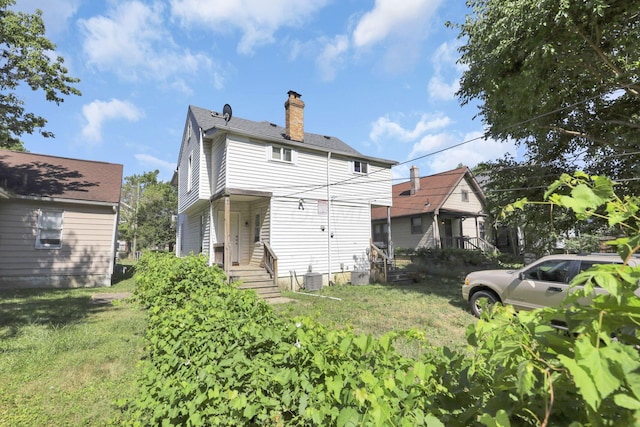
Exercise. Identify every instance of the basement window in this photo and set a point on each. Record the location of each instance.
(281, 154)
(49, 232)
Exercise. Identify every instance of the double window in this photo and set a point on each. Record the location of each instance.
(282, 154)
(49, 233)
(360, 167)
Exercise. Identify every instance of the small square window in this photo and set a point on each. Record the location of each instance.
(49, 233)
(360, 167)
(416, 225)
(465, 196)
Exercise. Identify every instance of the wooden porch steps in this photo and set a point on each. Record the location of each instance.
(254, 277)
(399, 276)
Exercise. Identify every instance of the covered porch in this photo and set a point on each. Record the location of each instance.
(240, 232)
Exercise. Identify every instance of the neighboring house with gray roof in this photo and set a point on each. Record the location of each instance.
(275, 198)
(58, 221)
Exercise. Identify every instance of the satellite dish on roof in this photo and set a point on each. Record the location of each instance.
(227, 113)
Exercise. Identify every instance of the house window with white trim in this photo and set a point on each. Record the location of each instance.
(190, 172)
(49, 233)
(465, 196)
(282, 154)
(360, 167)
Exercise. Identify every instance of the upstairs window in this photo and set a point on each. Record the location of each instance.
(465, 196)
(49, 233)
(190, 172)
(360, 167)
(281, 154)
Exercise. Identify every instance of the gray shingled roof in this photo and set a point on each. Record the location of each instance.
(208, 120)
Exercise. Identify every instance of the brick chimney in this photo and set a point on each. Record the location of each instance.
(415, 180)
(294, 112)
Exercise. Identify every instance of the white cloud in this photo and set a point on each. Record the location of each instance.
(390, 18)
(257, 20)
(132, 41)
(149, 161)
(470, 154)
(97, 112)
(384, 128)
(446, 78)
(440, 90)
(332, 56)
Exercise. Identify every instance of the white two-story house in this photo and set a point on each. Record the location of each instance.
(276, 198)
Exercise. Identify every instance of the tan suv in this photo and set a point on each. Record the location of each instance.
(543, 283)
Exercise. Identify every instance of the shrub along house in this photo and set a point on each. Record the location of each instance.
(256, 197)
(445, 210)
(58, 220)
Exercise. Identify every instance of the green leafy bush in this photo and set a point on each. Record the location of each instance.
(217, 355)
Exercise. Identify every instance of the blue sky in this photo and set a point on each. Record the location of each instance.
(380, 75)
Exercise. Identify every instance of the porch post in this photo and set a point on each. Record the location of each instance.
(227, 235)
(389, 241)
(436, 230)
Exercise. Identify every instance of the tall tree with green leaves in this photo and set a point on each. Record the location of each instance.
(147, 209)
(562, 79)
(26, 58)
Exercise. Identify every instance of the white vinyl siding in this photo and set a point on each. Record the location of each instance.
(299, 241)
(195, 238)
(248, 168)
(85, 255)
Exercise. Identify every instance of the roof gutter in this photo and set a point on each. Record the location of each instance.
(69, 201)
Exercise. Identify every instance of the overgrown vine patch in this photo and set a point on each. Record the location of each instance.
(217, 355)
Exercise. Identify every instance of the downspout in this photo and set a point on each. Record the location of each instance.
(329, 217)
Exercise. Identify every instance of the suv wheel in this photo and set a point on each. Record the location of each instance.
(480, 299)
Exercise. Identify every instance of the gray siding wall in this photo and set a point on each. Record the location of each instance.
(85, 259)
(403, 238)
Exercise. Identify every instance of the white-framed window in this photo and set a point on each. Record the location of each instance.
(49, 233)
(282, 154)
(189, 130)
(190, 172)
(360, 167)
(465, 195)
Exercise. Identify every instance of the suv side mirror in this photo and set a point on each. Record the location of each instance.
(521, 276)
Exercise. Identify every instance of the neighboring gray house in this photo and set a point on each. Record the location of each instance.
(58, 220)
(255, 194)
(445, 210)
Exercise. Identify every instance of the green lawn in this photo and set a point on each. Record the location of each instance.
(434, 305)
(65, 360)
